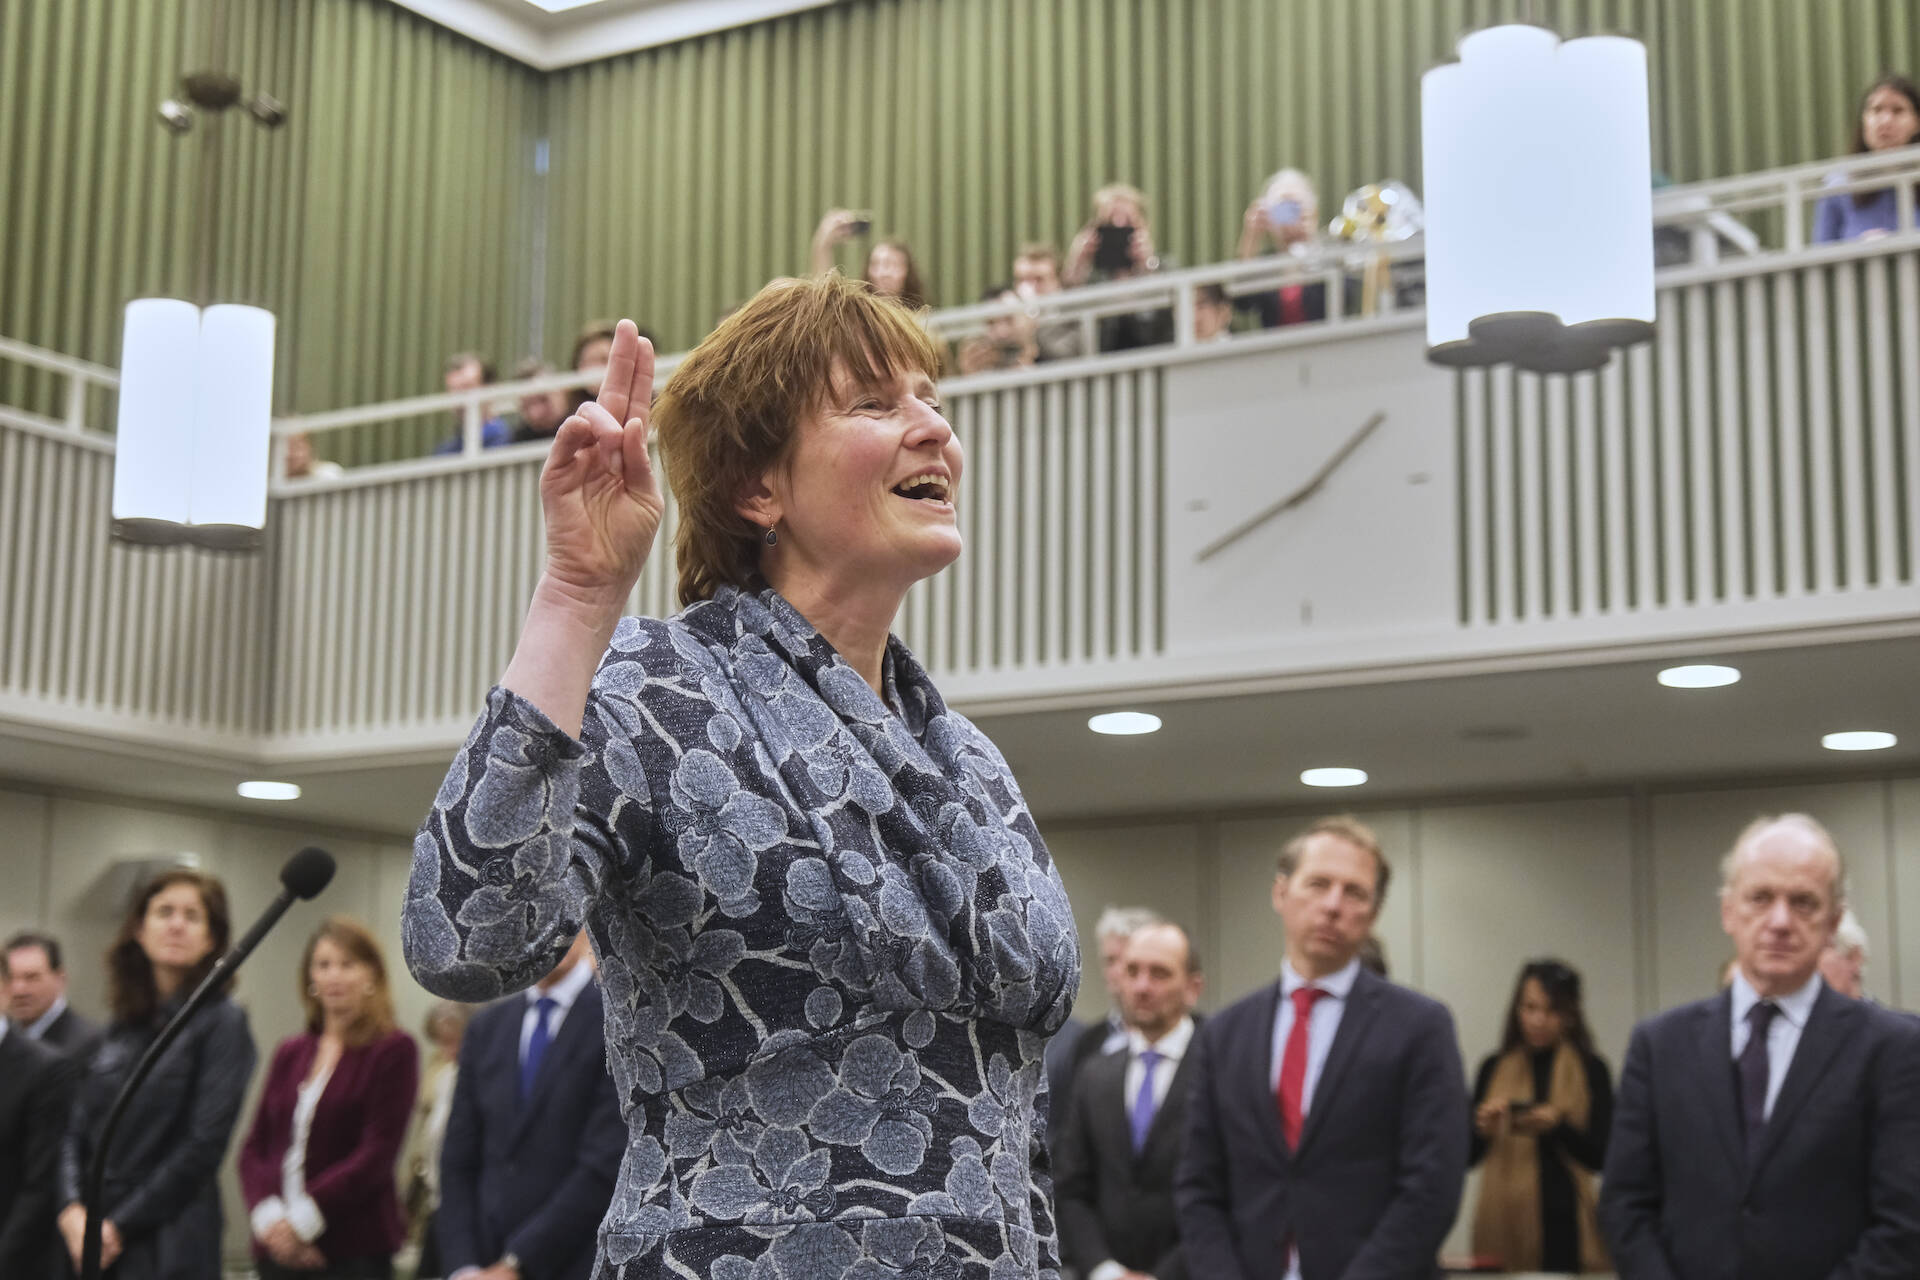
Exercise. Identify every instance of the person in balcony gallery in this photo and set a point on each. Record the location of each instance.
(891, 270)
(1889, 118)
(831, 939)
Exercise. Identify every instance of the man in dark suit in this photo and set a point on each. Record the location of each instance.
(534, 1139)
(1114, 1161)
(1115, 927)
(36, 1091)
(1327, 1132)
(1771, 1132)
(36, 987)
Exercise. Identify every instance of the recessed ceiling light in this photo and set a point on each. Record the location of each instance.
(259, 790)
(1124, 722)
(1334, 777)
(1700, 676)
(1859, 740)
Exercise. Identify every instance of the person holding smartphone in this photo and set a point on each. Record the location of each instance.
(1284, 218)
(1543, 1106)
(890, 270)
(1116, 244)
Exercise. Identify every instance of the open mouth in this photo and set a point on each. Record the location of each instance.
(924, 488)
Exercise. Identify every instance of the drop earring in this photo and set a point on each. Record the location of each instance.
(773, 538)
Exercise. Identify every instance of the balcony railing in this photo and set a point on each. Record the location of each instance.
(1753, 471)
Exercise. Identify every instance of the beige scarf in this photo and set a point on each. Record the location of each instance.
(1507, 1223)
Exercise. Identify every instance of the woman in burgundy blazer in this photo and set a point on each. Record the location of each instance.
(317, 1168)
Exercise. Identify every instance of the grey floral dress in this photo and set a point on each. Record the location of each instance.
(831, 941)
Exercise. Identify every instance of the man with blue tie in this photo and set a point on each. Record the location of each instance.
(534, 1137)
(1773, 1131)
(1115, 1155)
(1327, 1132)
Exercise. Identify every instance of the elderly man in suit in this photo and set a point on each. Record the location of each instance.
(36, 1091)
(534, 1139)
(1115, 1156)
(1771, 1132)
(1327, 1132)
(36, 990)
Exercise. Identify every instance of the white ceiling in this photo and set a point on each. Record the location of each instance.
(1578, 727)
(587, 30)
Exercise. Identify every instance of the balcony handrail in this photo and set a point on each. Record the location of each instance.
(1705, 209)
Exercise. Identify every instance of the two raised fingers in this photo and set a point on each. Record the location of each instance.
(626, 389)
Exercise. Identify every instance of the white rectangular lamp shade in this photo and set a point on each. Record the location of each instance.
(233, 431)
(153, 451)
(1539, 197)
(196, 402)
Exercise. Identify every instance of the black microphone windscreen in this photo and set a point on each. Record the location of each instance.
(307, 872)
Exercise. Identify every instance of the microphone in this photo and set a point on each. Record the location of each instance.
(305, 874)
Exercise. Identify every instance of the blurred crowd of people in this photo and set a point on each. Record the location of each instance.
(1295, 1124)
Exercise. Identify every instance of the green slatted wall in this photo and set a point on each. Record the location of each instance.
(394, 219)
(386, 223)
(686, 176)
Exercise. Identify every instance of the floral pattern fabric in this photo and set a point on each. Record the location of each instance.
(831, 941)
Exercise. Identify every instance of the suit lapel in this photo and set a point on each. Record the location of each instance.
(1167, 1125)
(1829, 1025)
(1256, 1074)
(573, 1033)
(1713, 1042)
(1362, 1003)
(1105, 1080)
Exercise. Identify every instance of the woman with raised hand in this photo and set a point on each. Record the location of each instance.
(832, 942)
(317, 1165)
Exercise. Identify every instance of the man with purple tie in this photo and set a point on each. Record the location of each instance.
(1114, 1160)
(1327, 1130)
(1773, 1131)
(534, 1137)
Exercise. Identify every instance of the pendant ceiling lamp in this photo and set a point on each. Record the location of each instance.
(196, 383)
(1539, 201)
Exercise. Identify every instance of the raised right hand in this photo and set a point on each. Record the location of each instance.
(601, 499)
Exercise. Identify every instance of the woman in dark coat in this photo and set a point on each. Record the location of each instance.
(831, 940)
(317, 1167)
(161, 1195)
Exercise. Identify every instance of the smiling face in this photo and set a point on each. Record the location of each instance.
(866, 495)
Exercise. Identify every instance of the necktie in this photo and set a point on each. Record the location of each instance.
(1293, 1065)
(1143, 1104)
(536, 1044)
(1753, 1071)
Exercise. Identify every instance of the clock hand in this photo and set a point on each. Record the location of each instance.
(1298, 496)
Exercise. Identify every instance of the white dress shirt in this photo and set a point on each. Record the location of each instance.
(1322, 1025)
(293, 1203)
(4, 1023)
(563, 993)
(1783, 1033)
(42, 1024)
(1118, 1037)
(1171, 1047)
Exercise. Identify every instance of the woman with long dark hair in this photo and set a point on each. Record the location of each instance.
(1889, 117)
(317, 1165)
(1542, 1108)
(161, 1196)
(891, 269)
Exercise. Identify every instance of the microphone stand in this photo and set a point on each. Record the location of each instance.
(215, 979)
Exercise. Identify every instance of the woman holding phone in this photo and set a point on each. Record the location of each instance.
(890, 270)
(1542, 1109)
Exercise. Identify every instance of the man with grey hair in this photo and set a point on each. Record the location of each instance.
(1843, 965)
(1771, 1132)
(1076, 1042)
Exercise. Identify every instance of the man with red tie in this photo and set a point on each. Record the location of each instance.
(1327, 1118)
